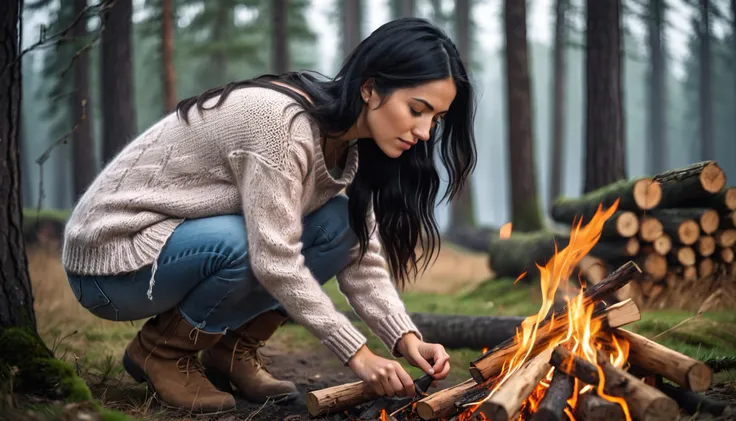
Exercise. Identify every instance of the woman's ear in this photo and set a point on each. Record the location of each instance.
(366, 90)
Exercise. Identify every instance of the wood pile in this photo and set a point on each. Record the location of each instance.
(679, 226)
(554, 380)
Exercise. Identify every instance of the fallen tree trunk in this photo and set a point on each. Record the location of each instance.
(472, 238)
(691, 185)
(635, 195)
(461, 331)
(510, 257)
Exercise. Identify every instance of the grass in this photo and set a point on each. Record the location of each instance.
(95, 347)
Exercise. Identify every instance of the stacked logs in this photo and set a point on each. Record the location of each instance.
(656, 384)
(679, 226)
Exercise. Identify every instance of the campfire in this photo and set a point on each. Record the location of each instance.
(576, 363)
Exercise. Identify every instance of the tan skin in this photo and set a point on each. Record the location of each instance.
(405, 117)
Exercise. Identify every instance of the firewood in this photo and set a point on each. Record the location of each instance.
(591, 407)
(683, 255)
(726, 255)
(593, 269)
(654, 265)
(491, 363)
(509, 397)
(722, 202)
(662, 245)
(552, 405)
(706, 219)
(610, 250)
(623, 224)
(728, 221)
(692, 402)
(442, 403)
(339, 398)
(690, 273)
(725, 238)
(686, 186)
(634, 195)
(645, 402)
(706, 245)
(679, 226)
(706, 267)
(650, 228)
(670, 364)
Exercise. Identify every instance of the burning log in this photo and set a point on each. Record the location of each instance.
(691, 184)
(591, 407)
(491, 363)
(635, 195)
(441, 404)
(645, 402)
(672, 365)
(552, 406)
(509, 398)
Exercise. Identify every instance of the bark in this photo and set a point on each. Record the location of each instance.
(657, 90)
(605, 160)
(511, 257)
(558, 98)
(280, 36)
(82, 145)
(552, 405)
(679, 226)
(443, 403)
(621, 224)
(524, 201)
(634, 195)
(461, 331)
(615, 250)
(351, 20)
(462, 205)
(167, 55)
(118, 105)
(707, 145)
(16, 297)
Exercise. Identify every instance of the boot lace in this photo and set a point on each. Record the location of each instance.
(190, 364)
(247, 349)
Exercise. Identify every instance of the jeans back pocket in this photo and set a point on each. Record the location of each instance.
(88, 292)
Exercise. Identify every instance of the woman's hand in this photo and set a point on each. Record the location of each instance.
(430, 358)
(385, 377)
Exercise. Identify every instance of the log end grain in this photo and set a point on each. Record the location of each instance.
(713, 178)
(726, 238)
(663, 244)
(632, 247)
(699, 377)
(627, 224)
(656, 266)
(647, 194)
(730, 198)
(688, 232)
(726, 255)
(686, 256)
(706, 245)
(709, 221)
(650, 228)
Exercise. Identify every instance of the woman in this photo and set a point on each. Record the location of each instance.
(224, 218)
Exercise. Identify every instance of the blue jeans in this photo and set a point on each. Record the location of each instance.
(204, 270)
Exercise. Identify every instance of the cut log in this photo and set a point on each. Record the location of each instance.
(706, 245)
(464, 331)
(683, 255)
(670, 364)
(725, 238)
(722, 202)
(654, 265)
(552, 405)
(635, 195)
(645, 402)
(442, 403)
(621, 224)
(678, 225)
(650, 228)
(662, 245)
(686, 186)
(592, 269)
(689, 273)
(693, 402)
(339, 398)
(726, 255)
(706, 219)
(491, 363)
(521, 253)
(472, 238)
(706, 267)
(611, 250)
(509, 397)
(592, 407)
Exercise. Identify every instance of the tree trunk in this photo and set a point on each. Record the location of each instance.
(462, 205)
(657, 91)
(280, 36)
(605, 151)
(167, 55)
(558, 100)
(118, 107)
(224, 10)
(524, 204)
(351, 21)
(733, 51)
(16, 297)
(82, 145)
(707, 145)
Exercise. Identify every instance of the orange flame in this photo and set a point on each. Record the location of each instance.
(505, 231)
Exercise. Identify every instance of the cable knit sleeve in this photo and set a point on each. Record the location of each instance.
(368, 286)
(271, 188)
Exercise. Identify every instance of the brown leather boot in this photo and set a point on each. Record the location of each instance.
(164, 354)
(236, 360)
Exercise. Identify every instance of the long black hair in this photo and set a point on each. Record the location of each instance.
(403, 53)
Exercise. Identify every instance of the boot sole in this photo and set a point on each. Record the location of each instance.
(222, 382)
(139, 376)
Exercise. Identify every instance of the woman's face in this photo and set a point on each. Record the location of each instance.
(408, 115)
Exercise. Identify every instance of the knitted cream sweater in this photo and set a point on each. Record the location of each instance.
(241, 157)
